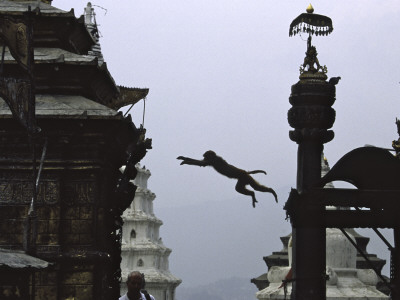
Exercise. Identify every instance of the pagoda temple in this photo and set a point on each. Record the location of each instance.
(63, 142)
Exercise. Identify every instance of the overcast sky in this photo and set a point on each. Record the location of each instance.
(220, 72)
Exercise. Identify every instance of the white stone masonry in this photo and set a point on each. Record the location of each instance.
(345, 281)
(142, 246)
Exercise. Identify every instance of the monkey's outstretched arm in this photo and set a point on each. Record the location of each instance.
(191, 161)
(257, 171)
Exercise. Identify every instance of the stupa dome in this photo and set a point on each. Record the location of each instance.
(340, 253)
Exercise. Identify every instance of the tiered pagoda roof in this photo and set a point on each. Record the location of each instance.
(62, 64)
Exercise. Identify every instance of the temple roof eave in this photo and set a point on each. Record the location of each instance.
(19, 7)
(52, 26)
(65, 106)
(128, 96)
(72, 39)
(18, 260)
(44, 55)
(85, 77)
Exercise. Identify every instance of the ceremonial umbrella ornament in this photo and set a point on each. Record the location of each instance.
(313, 24)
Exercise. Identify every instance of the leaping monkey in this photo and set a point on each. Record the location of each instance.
(221, 166)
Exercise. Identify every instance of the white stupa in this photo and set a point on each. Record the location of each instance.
(142, 247)
(345, 282)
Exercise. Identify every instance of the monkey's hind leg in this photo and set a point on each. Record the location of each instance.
(262, 188)
(241, 188)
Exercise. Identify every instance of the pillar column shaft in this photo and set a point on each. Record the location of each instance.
(311, 116)
(309, 242)
(396, 259)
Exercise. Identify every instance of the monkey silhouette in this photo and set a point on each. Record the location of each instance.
(221, 166)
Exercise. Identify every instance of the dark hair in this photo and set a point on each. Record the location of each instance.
(135, 273)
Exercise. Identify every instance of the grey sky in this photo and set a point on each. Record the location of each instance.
(219, 74)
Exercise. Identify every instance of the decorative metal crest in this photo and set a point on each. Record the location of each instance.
(313, 24)
(370, 168)
(311, 64)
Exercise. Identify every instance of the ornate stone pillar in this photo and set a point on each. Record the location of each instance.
(311, 116)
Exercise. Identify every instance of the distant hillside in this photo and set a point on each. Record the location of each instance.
(226, 289)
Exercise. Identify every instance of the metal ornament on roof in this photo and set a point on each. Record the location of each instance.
(312, 24)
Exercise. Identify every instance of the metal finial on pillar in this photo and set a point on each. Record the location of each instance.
(317, 25)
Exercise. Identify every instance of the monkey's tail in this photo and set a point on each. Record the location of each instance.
(256, 171)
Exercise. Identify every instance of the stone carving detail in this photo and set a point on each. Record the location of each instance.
(311, 134)
(311, 116)
(80, 192)
(21, 41)
(21, 191)
(49, 192)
